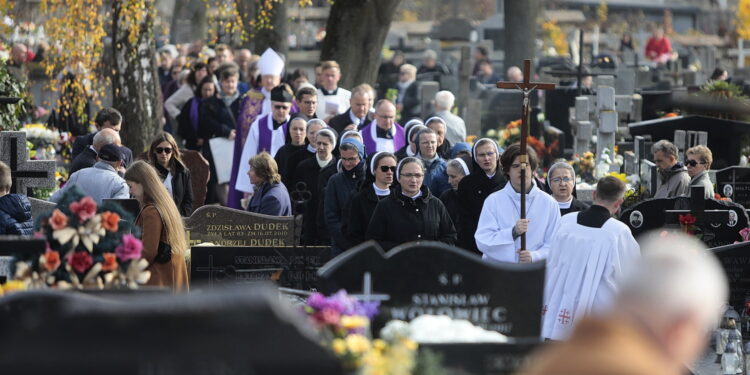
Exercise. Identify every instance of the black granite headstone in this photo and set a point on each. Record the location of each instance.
(734, 183)
(229, 227)
(434, 278)
(724, 139)
(735, 259)
(228, 331)
(652, 214)
(291, 267)
(483, 358)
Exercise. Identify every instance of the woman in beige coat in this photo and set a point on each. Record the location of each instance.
(163, 236)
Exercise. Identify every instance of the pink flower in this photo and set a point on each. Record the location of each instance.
(329, 316)
(129, 249)
(80, 261)
(745, 233)
(85, 208)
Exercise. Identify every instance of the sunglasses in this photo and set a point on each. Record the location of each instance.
(692, 163)
(385, 168)
(166, 150)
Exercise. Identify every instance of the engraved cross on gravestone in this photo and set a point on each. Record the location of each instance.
(25, 174)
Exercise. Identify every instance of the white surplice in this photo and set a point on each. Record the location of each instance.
(501, 211)
(251, 149)
(338, 103)
(583, 271)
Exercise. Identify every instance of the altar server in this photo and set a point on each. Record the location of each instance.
(332, 99)
(268, 133)
(592, 251)
(498, 234)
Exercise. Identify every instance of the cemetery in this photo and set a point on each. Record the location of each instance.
(160, 253)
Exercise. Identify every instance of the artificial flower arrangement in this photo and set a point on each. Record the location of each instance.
(511, 134)
(344, 322)
(687, 224)
(88, 246)
(583, 165)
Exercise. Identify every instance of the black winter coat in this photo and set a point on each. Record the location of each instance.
(325, 174)
(399, 219)
(182, 187)
(340, 188)
(216, 120)
(15, 215)
(283, 155)
(472, 191)
(308, 171)
(358, 213)
(290, 181)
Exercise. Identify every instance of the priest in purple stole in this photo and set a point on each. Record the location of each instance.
(383, 133)
(267, 133)
(255, 103)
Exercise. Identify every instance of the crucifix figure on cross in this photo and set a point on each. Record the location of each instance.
(526, 87)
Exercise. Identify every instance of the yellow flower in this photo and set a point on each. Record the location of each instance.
(338, 346)
(620, 176)
(410, 344)
(357, 344)
(352, 322)
(14, 285)
(379, 344)
(515, 131)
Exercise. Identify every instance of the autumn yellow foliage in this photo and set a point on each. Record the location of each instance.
(743, 19)
(554, 37)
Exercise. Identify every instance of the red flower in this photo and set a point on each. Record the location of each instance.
(110, 262)
(80, 261)
(85, 208)
(687, 219)
(58, 220)
(51, 260)
(110, 221)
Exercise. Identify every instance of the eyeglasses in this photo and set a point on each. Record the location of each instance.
(385, 168)
(558, 180)
(693, 163)
(166, 150)
(281, 107)
(412, 175)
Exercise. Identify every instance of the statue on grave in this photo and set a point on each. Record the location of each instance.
(731, 361)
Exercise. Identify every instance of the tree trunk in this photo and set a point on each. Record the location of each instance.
(276, 36)
(520, 31)
(355, 34)
(135, 85)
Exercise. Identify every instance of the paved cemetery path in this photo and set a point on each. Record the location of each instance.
(707, 365)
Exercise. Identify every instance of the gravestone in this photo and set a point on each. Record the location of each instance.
(17, 247)
(427, 91)
(500, 107)
(481, 359)
(229, 227)
(735, 259)
(25, 174)
(290, 267)
(40, 207)
(455, 30)
(724, 142)
(652, 214)
(606, 121)
(228, 331)
(581, 127)
(434, 278)
(200, 172)
(687, 139)
(734, 183)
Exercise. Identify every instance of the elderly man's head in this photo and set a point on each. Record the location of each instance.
(676, 294)
(105, 137)
(514, 74)
(19, 53)
(665, 154)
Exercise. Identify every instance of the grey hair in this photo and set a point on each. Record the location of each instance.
(666, 147)
(674, 277)
(105, 138)
(563, 165)
(444, 100)
(315, 121)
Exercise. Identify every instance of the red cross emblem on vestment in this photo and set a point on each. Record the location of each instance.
(564, 317)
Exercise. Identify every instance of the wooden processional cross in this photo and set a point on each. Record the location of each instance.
(526, 88)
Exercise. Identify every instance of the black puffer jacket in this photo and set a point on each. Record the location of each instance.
(399, 219)
(15, 215)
